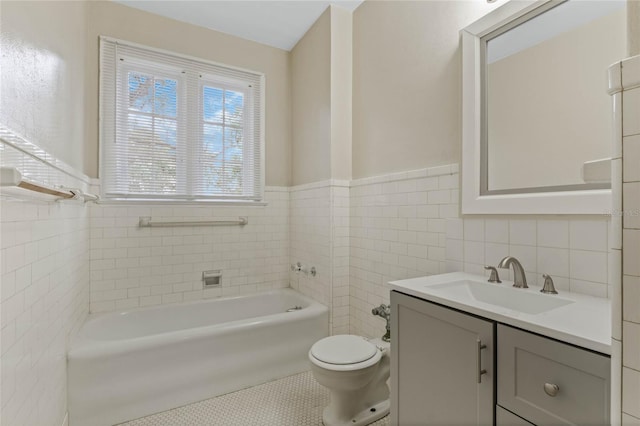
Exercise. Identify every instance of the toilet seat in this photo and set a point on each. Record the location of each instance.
(344, 353)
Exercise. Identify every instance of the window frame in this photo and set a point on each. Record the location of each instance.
(184, 125)
(228, 85)
(122, 112)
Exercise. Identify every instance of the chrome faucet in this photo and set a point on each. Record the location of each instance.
(519, 278)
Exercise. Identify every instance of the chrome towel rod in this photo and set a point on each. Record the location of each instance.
(145, 222)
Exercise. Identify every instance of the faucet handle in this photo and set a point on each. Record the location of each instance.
(548, 286)
(494, 277)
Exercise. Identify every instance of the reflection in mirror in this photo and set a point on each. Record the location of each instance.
(546, 111)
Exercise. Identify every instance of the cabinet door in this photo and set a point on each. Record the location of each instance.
(437, 355)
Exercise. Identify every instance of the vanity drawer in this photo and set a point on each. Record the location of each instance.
(527, 363)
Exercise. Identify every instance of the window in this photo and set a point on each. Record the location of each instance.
(178, 128)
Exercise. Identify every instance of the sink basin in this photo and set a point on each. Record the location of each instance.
(517, 299)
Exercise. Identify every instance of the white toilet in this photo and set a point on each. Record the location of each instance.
(355, 370)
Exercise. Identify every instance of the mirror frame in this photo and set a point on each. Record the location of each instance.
(587, 201)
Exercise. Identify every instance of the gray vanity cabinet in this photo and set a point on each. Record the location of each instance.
(442, 365)
(453, 368)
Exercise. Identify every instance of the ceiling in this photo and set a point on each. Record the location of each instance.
(275, 23)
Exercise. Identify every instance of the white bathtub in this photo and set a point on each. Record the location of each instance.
(125, 365)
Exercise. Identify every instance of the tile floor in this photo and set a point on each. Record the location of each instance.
(296, 400)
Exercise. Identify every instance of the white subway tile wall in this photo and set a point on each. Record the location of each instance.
(319, 237)
(340, 244)
(44, 285)
(45, 298)
(573, 250)
(407, 224)
(615, 246)
(631, 240)
(310, 239)
(133, 266)
(397, 231)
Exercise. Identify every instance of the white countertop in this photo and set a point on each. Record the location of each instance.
(586, 322)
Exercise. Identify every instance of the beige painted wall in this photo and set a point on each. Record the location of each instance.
(341, 90)
(311, 103)
(115, 20)
(633, 27)
(406, 84)
(556, 117)
(43, 75)
(321, 70)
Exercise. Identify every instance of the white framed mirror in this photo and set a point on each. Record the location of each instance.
(537, 121)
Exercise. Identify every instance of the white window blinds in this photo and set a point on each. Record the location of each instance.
(174, 127)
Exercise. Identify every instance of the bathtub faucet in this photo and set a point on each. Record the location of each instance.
(384, 311)
(299, 267)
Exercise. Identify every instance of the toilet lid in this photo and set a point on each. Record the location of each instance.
(343, 349)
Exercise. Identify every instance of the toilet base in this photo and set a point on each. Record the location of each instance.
(365, 417)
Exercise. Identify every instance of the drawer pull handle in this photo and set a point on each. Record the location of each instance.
(551, 389)
(479, 361)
